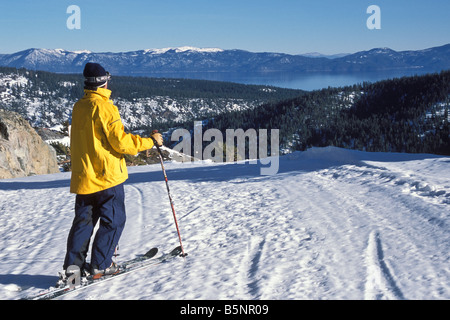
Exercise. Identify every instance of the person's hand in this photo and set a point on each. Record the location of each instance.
(157, 138)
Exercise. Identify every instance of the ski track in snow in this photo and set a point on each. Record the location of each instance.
(332, 224)
(380, 284)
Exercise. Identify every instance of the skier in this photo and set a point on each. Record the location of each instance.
(98, 142)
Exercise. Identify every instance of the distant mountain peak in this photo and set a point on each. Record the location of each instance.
(182, 49)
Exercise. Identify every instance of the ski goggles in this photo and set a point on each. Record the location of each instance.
(105, 78)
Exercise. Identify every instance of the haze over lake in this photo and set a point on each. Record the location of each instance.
(303, 81)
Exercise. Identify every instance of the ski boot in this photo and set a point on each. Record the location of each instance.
(72, 274)
(111, 270)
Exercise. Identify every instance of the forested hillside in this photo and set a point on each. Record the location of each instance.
(46, 99)
(409, 114)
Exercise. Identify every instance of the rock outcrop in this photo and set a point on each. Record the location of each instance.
(22, 150)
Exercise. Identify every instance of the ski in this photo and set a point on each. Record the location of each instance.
(132, 265)
(148, 255)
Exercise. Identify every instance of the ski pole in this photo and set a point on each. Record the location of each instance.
(170, 196)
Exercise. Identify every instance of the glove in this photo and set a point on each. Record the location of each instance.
(157, 138)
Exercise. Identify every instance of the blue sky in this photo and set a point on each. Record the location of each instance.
(289, 26)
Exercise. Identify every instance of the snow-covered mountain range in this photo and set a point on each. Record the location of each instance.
(195, 60)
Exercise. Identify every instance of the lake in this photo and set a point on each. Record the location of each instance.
(304, 81)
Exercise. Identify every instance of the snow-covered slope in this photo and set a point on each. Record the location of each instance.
(332, 224)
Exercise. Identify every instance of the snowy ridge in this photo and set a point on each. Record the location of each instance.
(191, 59)
(332, 224)
(182, 49)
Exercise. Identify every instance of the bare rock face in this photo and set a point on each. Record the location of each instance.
(22, 151)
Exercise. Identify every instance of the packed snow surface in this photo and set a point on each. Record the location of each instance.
(331, 224)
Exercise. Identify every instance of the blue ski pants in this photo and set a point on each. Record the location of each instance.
(108, 206)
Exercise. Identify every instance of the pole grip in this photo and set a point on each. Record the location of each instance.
(154, 142)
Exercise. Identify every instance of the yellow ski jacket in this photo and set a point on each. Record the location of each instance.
(98, 142)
